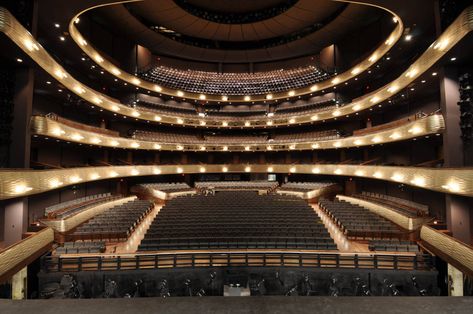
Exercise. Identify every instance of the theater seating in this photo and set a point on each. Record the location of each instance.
(304, 186)
(167, 187)
(358, 222)
(235, 83)
(234, 220)
(237, 185)
(281, 137)
(81, 247)
(393, 245)
(115, 223)
(66, 209)
(403, 206)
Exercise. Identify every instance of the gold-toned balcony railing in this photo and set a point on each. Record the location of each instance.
(22, 253)
(19, 182)
(121, 74)
(432, 124)
(446, 41)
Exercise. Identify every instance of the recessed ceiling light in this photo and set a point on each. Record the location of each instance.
(83, 59)
(48, 82)
(57, 25)
(423, 81)
(19, 60)
(408, 37)
(434, 74)
(62, 38)
(453, 58)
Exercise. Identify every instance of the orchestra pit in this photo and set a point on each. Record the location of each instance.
(270, 156)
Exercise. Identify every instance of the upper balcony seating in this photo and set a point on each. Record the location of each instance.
(385, 126)
(393, 245)
(117, 222)
(66, 209)
(405, 207)
(176, 136)
(235, 139)
(240, 219)
(168, 187)
(358, 222)
(238, 115)
(282, 137)
(235, 83)
(82, 126)
(237, 185)
(305, 186)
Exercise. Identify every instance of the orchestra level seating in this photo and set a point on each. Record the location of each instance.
(358, 222)
(115, 223)
(240, 219)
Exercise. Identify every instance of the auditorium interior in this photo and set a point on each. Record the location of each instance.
(258, 156)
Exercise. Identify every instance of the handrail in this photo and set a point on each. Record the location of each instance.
(19, 254)
(52, 264)
(432, 124)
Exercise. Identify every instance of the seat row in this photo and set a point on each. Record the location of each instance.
(358, 222)
(242, 219)
(117, 222)
(65, 209)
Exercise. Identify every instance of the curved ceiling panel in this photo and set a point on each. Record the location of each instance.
(302, 15)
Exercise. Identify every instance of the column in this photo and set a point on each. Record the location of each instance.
(19, 284)
(455, 282)
(458, 212)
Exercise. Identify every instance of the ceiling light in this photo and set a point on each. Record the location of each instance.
(57, 25)
(408, 37)
(62, 38)
(453, 59)
(19, 60)
(434, 74)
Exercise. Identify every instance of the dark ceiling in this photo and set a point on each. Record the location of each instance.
(302, 29)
